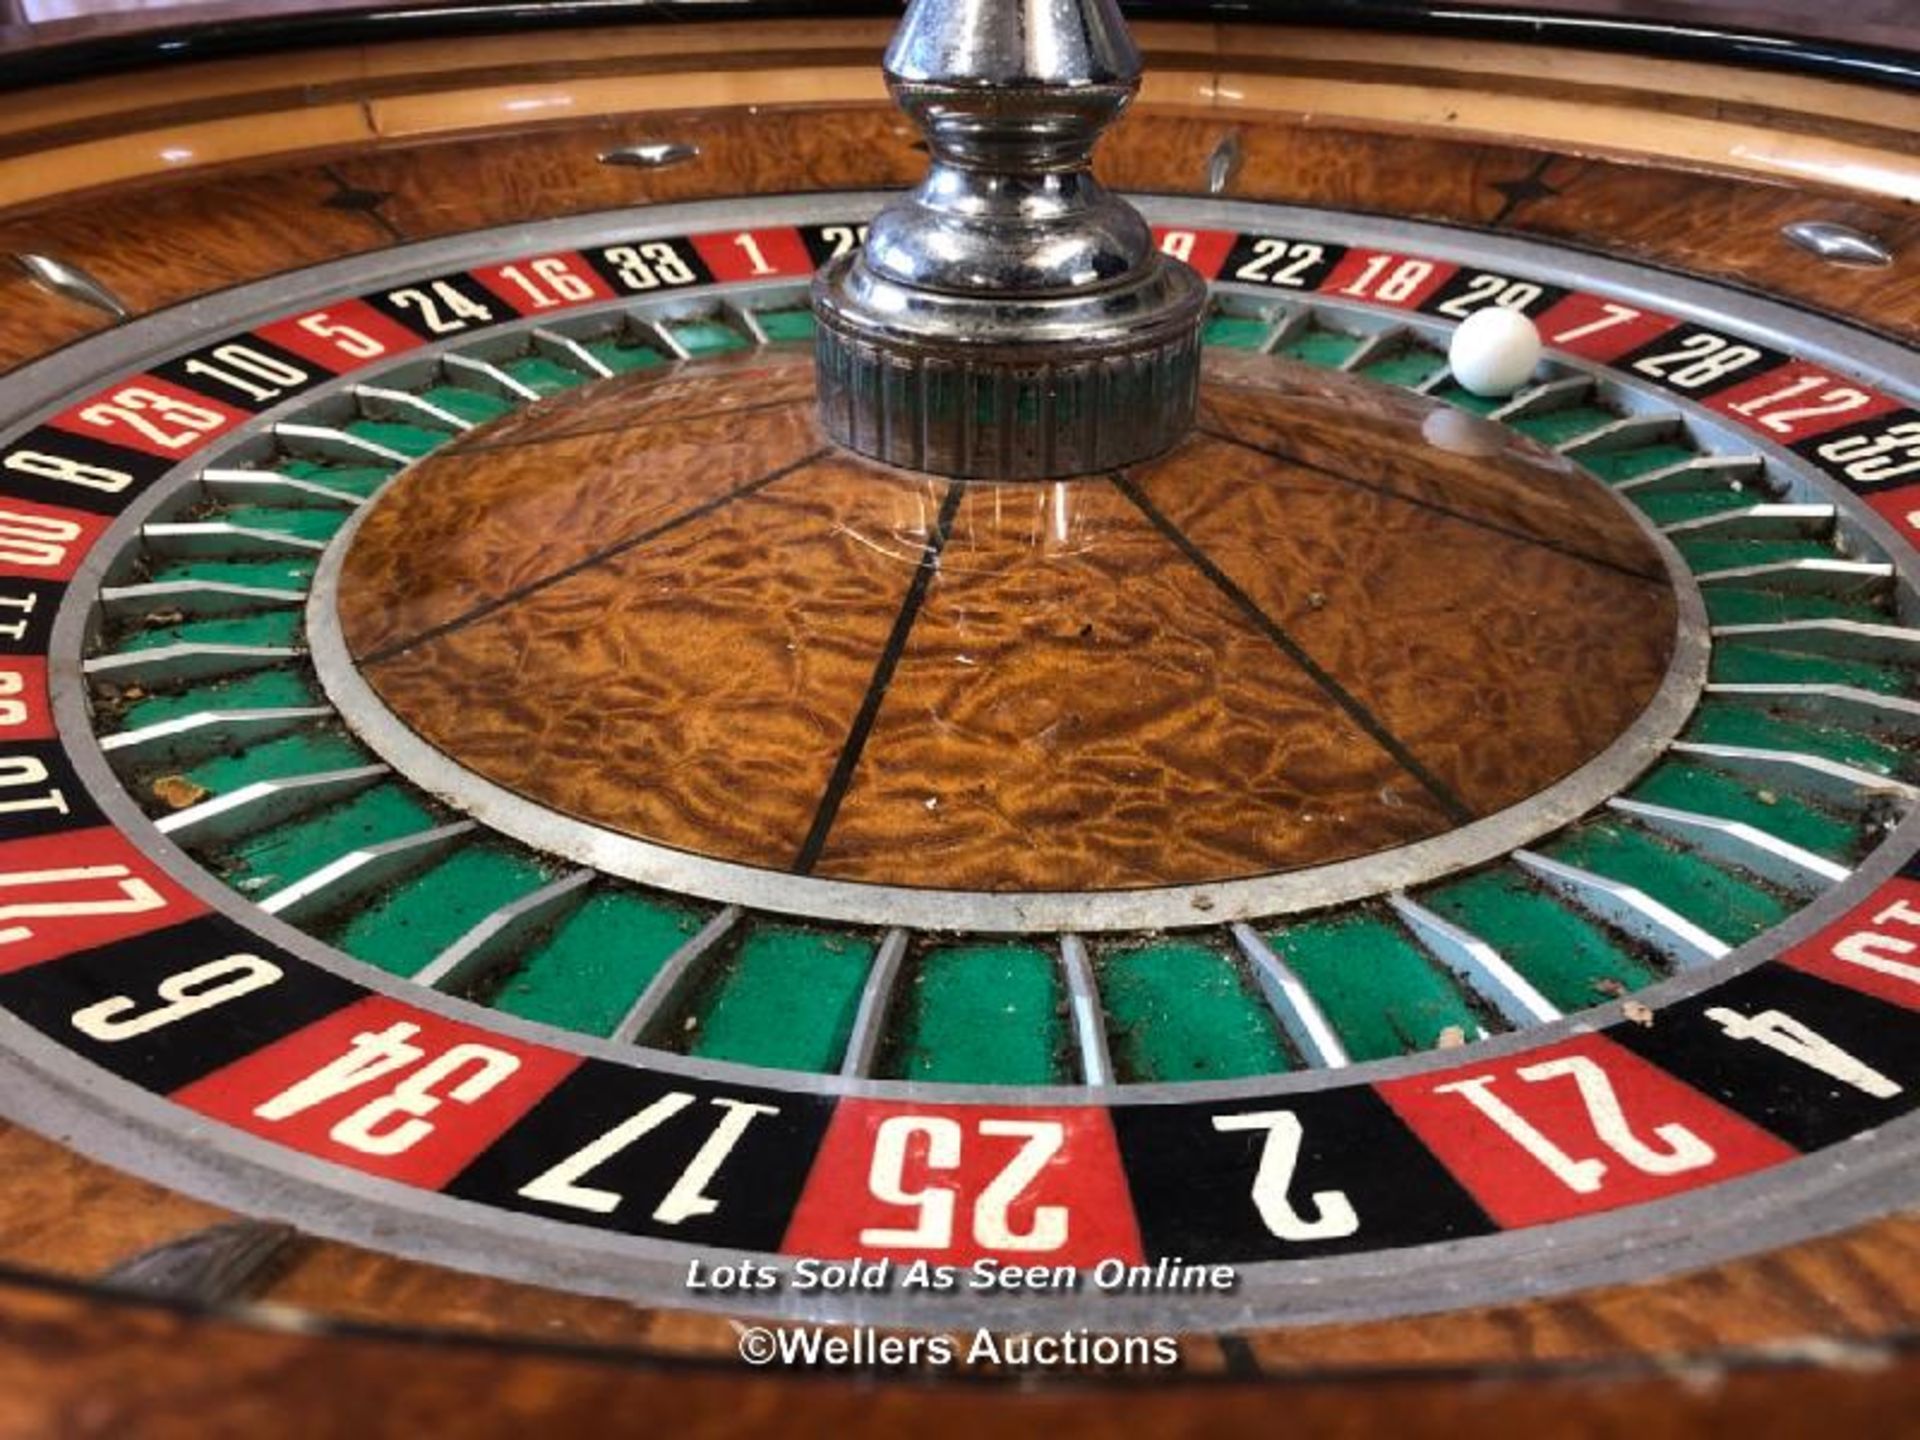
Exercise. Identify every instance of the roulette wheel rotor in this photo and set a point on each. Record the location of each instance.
(1427, 853)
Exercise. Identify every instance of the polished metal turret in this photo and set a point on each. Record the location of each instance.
(1009, 318)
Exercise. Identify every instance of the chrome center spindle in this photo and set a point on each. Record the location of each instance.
(1009, 318)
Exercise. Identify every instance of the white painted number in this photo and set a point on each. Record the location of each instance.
(548, 281)
(992, 1218)
(23, 772)
(688, 1198)
(13, 711)
(1831, 399)
(1334, 1216)
(443, 309)
(648, 266)
(1884, 954)
(1279, 262)
(57, 467)
(40, 541)
(1782, 1033)
(886, 1179)
(1178, 243)
(344, 338)
(1485, 290)
(934, 1206)
(1698, 360)
(25, 604)
(245, 370)
(1389, 278)
(131, 896)
(1678, 1150)
(1875, 459)
(1610, 316)
(393, 1123)
(751, 248)
(843, 238)
(170, 423)
(190, 992)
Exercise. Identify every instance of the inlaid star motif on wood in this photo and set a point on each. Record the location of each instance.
(1525, 189)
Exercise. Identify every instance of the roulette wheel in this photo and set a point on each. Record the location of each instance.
(642, 769)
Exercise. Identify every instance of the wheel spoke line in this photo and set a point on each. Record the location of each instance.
(1363, 717)
(670, 981)
(1485, 971)
(1293, 1005)
(1287, 327)
(269, 487)
(1546, 398)
(470, 372)
(876, 998)
(569, 352)
(1836, 578)
(748, 321)
(1738, 843)
(359, 872)
(216, 539)
(254, 807)
(1431, 506)
(1850, 704)
(1850, 639)
(330, 442)
(494, 939)
(1814, 776)
(599, 557)
(1376, 347)
(661, 336)
(1692, 474)
(1628, 909)
(841, 777)
(189, 737)
(378, 403)
(1629, 432)
(1767, 521)
(1083, 1001)
(165, 664)
(198, 598)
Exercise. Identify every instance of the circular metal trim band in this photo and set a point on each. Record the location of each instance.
(53, 1089)
(50, 385)
(992, 912)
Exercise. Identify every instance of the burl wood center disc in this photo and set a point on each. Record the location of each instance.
(1335, 621)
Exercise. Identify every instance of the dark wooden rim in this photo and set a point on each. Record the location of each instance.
(1757, 1359)
(27, 63)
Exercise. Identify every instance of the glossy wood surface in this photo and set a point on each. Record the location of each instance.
(73, 1218)
(1711, 115)
(159, 242)
(160, 235)
(78, 1366)
(660, 607)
